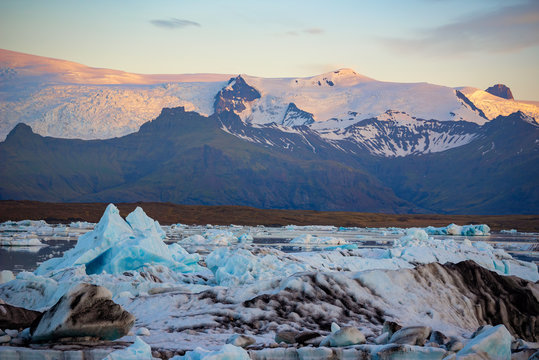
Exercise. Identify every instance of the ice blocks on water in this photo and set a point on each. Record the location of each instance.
(116, 245)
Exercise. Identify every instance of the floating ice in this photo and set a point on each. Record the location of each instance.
(318, 240)
(81, 225)
(20, 241)
(512, 231)
(453, 229)
(227, 352)
(139, 351)
(115, 246)
(217, 237)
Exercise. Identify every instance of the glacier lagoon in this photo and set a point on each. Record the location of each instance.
(194, 288)
(58, 238)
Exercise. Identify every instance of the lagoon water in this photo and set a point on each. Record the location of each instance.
(60, 238)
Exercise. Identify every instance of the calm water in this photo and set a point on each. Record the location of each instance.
(523, 246)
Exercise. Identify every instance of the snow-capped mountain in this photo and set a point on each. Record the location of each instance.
(494, 106)
(345, 109)
(396, 133)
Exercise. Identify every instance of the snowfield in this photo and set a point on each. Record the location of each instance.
(64, 99)
(185, 301)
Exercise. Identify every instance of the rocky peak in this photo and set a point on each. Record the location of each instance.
(500, 90)
(235, 95)
(294, 116)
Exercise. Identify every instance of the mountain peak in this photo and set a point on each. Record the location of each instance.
(342, 77)
(21, 129)
(500, 90)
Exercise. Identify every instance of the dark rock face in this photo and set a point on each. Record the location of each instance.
(234, 96)
(500, 90)
(295, 116)
(13, 317)
(85, 311)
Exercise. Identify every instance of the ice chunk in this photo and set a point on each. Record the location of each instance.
(81, 225)
(143, 224)
(217, 237)
(227, 352)
(240, 266)
(115, 246)
(453, 229)
(345, 336)
(20, 241)
(317, 240)
(139, 350)
(85, 310)
(492, 343)
(5, 276)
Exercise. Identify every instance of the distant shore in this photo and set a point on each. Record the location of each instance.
(168, 213)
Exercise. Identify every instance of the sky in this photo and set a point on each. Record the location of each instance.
(448, 42)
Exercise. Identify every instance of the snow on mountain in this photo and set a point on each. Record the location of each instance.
(396, 133)
(31, 68)
(494, 106)
(100, 112)
(343, 97)
(65, 99)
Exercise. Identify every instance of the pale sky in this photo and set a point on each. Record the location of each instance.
(449, 42)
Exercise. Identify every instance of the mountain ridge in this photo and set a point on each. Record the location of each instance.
(187, 158)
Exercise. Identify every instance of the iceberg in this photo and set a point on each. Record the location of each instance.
(453, 229)
(139, 350)
(116, 245)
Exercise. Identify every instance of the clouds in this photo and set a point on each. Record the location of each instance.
(508, 29)
(309, 31)
(173, 23)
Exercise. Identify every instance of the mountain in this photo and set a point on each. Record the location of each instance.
(69, 100)
(335, 141)
(491, 174)
(494, 106)
(187, 158)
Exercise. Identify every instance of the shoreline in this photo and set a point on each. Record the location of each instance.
(169, 213)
